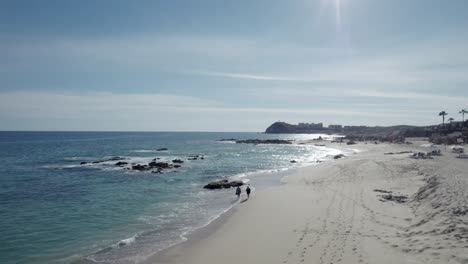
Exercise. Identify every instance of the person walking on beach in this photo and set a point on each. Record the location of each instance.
(238, 192)
(247, 190)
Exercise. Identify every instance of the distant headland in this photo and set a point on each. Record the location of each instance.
(454, 132)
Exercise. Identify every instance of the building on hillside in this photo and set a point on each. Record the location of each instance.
(335, 127)
(310, 126)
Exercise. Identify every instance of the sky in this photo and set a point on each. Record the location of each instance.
(210, 65)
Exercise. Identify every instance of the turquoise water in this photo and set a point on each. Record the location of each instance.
(54, 210)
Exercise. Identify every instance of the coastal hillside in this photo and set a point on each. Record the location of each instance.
(352, 132)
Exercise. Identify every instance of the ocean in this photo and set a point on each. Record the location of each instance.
(54, 209)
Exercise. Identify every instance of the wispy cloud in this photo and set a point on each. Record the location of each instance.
(150, 112)
(248, 76)
(290, 81)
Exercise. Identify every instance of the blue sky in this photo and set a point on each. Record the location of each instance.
(230, 65)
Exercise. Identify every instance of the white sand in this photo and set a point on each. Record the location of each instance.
(330, 213)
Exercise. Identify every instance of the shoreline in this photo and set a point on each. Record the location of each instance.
(191, 237)
(271, 214)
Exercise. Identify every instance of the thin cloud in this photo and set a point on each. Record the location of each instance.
(249, 76)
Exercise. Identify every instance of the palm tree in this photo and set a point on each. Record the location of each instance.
(443, 114)
(463, 112)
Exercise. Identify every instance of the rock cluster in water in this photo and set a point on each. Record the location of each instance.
(155, 166)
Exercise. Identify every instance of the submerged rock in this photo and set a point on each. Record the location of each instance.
(105, 160)
(121, 163)
(162, 149)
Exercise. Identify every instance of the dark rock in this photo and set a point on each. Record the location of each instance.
(293, 161)
(193, 158)
(382, 191)
(217, 185)
(121, 163)
(460, 212)
(339, 156)
(394, 198)
(228, 139)
(177, 161)
(177, 166)
(140, 167)
(236, 183)
(83, 163)
(162, 165)
(222, 184)
(350, 142)
(264, 141)
(105, 160)
(162, 149)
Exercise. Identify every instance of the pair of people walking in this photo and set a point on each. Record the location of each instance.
(239, 191)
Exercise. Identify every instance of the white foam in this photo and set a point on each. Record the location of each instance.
(126, 241)
(144, 151)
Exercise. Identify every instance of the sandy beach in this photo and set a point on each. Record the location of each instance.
(365, 208)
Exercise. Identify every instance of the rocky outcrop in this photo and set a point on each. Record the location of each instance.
(263, 141)
(281, 128)
(223, 184)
